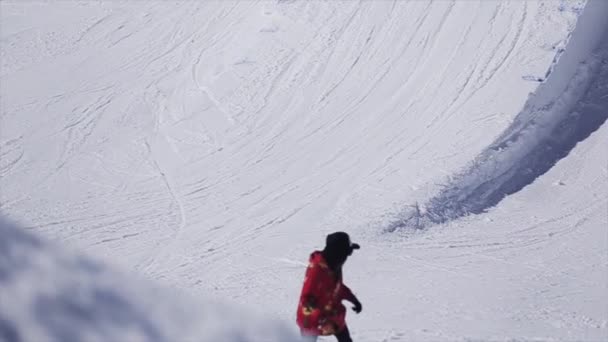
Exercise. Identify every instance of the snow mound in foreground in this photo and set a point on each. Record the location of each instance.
(52, 295)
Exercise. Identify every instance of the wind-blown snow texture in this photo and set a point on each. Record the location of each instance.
(51, 295)
(211, 145)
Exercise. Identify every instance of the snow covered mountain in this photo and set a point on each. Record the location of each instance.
(211, 146)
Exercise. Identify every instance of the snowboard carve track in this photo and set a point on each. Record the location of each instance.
(566, 109)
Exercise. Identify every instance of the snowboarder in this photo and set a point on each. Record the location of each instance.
(320, 310)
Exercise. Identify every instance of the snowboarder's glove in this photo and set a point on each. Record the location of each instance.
(358, 307)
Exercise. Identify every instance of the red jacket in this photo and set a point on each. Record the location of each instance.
(326, 314)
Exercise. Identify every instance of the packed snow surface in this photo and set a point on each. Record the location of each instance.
(211, 145)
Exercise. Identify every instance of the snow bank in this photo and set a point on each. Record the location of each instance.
(51, 295)
(570, 105)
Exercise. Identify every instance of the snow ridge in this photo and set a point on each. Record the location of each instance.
(566, 109)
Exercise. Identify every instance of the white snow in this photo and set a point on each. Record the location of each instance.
(49, 294)
(211, 146)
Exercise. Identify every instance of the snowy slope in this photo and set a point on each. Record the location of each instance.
(211, 145)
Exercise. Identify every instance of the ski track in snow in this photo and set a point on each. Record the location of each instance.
(211, 145)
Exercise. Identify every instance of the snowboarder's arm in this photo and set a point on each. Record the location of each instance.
(346, 293)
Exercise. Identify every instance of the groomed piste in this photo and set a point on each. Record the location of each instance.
(166, 168)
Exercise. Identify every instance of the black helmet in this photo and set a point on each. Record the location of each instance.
(340, 242)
